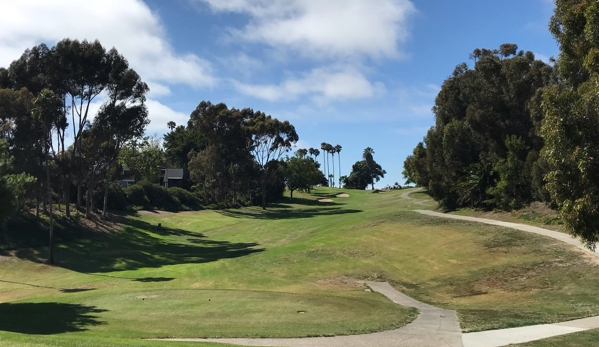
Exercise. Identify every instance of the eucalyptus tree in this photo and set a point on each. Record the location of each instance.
(225, 148)
(487, 127)
(48, 108)
(571, 119)
(270, 139)
(124, 115)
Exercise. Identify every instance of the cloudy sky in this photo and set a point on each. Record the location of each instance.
(359, 73)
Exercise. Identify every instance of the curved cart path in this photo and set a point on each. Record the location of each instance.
(434, 327)
(524, 227)
(504, 337)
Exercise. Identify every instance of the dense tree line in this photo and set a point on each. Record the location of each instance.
(54, 152)
(513, 129)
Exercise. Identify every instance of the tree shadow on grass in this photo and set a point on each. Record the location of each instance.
(138, 245)
(288, 214)
(47, 318)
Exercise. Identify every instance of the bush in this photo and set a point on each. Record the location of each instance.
(136, 195)
(188, 199)
(117, 199)
(157, 197)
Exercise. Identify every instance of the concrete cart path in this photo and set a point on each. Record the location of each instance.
(504, 337)
(434, 327)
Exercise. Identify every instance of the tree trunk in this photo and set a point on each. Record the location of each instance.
(79, 196)
(88, 202)
(45, 201)
(67, 198)
(263, 189)
(105, 201)
(339, 156)
(333, 178)
(50, 260)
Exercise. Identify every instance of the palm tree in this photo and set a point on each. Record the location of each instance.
(332, 150)
(302, 152)
(367, 155)
(323, 146)
(338, 150)
(171, 125)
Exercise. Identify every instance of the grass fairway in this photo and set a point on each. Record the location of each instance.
(294, 270)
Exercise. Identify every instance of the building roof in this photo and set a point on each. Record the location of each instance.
(173, 174)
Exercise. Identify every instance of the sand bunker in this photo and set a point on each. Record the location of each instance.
(343, 195)
(325, 200)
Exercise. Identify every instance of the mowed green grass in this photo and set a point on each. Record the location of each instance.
(294, 270)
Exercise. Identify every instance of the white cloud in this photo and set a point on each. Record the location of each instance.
(161, 114)
(128, 25)
(324, 29)
(324, 84)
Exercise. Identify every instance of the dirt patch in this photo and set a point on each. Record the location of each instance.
(143, 297)
(343, 195)
(325, 200)
(340, 281)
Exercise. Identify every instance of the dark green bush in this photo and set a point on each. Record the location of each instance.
(188, 199)
(117, 199)
(159, 197)
(136, 195)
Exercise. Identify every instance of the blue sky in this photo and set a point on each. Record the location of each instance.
(359, 73)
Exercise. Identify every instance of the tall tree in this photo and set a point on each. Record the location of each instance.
(367, 155)
(47, 110)
(572, 119)
(338, 151)
(324, 148)
(271, 138)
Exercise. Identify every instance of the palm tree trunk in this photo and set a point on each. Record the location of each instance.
(339, 156)
(333, 179)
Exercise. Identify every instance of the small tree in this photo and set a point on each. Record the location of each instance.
(301, 173)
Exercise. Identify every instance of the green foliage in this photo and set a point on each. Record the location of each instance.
(362, 175)
(513, 188)
(301, 173)
(13, 187)
(136, 195)
(117, 198)
(487, 124)
(188, 200)
(144, 159)
(160, 197)
(572, 119)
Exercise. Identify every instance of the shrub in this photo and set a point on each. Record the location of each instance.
(188, 199)
(136, 195)
(117, 199)
(159, 197)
